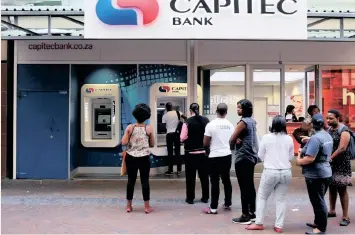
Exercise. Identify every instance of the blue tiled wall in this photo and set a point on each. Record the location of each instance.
(134, 81)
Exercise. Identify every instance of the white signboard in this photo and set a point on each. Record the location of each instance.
(196, 19)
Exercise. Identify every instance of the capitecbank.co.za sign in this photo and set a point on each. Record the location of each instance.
(196, 19)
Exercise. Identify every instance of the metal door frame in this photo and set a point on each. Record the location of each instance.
(317, 85)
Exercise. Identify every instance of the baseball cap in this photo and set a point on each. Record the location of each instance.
(318, 119)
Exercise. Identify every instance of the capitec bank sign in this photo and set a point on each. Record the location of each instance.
(196, 19)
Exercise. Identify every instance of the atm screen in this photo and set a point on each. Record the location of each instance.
(103, 119)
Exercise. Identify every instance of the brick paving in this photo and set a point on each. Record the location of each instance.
(58, 207)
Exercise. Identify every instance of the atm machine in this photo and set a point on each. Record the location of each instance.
(100, 119)
(160, 94)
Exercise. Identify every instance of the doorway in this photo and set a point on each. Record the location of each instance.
(260, 115)
(267, 87)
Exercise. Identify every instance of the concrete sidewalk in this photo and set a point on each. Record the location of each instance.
(99, 207)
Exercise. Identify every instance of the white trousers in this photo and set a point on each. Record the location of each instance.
(276, 181)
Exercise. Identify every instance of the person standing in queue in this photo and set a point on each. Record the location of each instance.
(172, 118)
(246, 142)
(138, 137)
(195, 155)
(276, 150)
(314, 159)
(341, 166)
(216, 140)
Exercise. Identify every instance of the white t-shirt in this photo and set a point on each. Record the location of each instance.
(171, 120)
(276, 151)
(220, 130)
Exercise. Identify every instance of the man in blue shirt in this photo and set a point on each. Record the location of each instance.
(314, 159)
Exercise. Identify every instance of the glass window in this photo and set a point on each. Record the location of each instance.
(227, 85)
(338, 92)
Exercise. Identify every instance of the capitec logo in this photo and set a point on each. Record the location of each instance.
(90, 90)
(126, 13)
(164, 89)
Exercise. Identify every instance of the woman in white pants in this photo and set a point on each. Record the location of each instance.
(276, 150)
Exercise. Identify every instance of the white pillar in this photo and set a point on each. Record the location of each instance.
(191, 72)
(249, 92)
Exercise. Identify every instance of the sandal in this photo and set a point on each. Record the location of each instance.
(332, 215)
(344, 222)
(129, 209)
(255, 227)
(147, 210)
(209, 211)
(278, 230)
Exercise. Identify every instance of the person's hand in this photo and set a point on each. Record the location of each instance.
(299, 152)
(305, 139)
(239, 141)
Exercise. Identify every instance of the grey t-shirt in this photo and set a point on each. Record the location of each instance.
(320, 146)
(248, 148)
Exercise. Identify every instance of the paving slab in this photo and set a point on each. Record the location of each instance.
(98, 206)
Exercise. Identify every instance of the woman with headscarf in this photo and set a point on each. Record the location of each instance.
(192, 134)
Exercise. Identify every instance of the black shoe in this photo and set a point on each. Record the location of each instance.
(245, 220)
(227, 208)
(203, 200)
(312, 225)
(169, 173)
(332, 215)
(345, 222)
(252, 217)
(189, 201)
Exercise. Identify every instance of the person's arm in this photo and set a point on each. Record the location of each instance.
(163, 119)
(311, 152)
(126, 135)
(150, 133)
(207, 138)
(343, 145)
(240, 127)
(184, 133)
(262, 149)
(292, 149)
(297, 133)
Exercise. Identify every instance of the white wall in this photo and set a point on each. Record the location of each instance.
(289, 52)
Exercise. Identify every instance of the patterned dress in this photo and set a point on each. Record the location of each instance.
(341, 165)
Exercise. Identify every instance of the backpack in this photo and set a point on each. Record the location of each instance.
(351, 146)
(179, 125)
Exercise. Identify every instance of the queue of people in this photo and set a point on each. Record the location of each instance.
(209, 145)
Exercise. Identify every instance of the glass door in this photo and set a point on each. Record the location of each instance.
(267, 85)
(222, 84)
